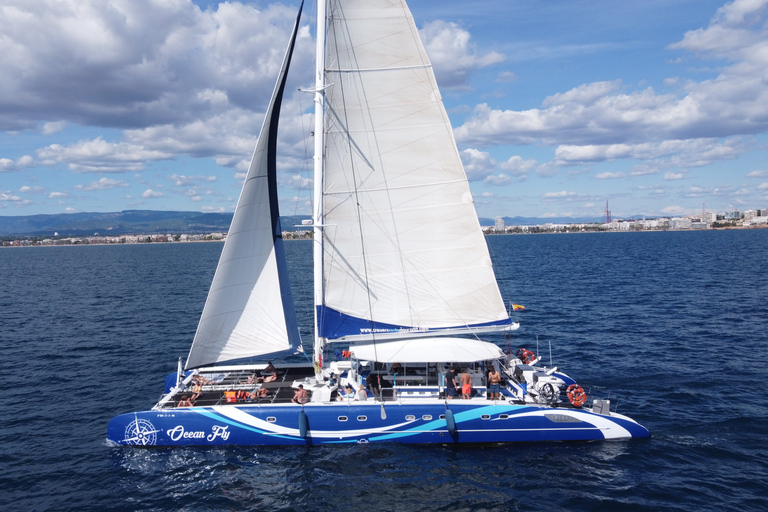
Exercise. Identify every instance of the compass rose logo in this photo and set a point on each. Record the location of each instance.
(140, 432)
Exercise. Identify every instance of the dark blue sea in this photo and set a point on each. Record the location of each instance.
(672, 326)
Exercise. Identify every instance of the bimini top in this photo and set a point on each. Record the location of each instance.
(426, 350)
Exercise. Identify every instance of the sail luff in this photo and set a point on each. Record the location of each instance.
(317, 247)
(249, 311)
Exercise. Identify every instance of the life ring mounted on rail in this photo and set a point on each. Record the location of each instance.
(576, 395)
(526, 356)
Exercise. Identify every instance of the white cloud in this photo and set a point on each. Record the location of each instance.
(297, 182)
(609, 175)
(498, 180)
(149, 193)
(51, 128)
(758, 174)
(452, 54)
(506, 77)
(97, 155)
(734, 103)
(28, 189)
(762, 186)
(670, 176)
(176, 79)
(674, 210)
(477, 164)
(10, 198)
(563, 195)
(8, 165)
(102, 184)
(57, 195)
(518, 166)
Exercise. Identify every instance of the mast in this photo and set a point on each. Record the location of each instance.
(318, 180)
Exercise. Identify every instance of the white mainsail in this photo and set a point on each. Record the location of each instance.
(403, 249)
(249, 311)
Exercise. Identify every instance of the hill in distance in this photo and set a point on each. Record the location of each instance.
(124, 223)
(163, 222)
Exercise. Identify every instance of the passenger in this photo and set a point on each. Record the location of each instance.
(269, 373)
(450, 384)
(466, 385)
(300, 397)
(362, 394)
(494, 381)
(254, 379)
(197, 391)
(184, 402)
(257, 393)
(347, 392)
(373, 382)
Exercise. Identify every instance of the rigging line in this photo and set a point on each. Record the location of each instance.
(306, 158)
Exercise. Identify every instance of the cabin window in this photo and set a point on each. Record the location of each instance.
(410, 417)
(427, 417)
(485, 417)
(271, 419)
(343, 418)
(362, 418)
(442, 416)
(503, 416)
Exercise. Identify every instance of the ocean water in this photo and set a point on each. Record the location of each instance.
(673, 327)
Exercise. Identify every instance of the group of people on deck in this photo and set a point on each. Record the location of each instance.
(463, 382)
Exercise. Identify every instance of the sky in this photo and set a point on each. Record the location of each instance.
(659, 107)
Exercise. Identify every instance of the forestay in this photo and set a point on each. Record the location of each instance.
(403, 249)
(249, 311)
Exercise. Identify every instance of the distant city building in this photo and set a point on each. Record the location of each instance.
(680, 223)
(500, 225)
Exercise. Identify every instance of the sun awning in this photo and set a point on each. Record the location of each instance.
(426, 350)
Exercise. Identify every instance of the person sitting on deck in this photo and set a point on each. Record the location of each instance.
(184, 402)
(373, 382)
(300, 397)
(269, 373)
(346, 392)
(254, 379)
(257, 393)
(362, 394)
(197, 391)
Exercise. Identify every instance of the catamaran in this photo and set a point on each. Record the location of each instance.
(404, 285)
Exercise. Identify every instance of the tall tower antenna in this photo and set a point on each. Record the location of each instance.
(607, 214)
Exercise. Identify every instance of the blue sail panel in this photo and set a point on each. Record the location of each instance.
(336, 325)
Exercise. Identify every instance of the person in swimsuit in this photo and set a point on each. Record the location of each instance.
(300, 397)
(494, 380)
(184, 402)
(466, 385)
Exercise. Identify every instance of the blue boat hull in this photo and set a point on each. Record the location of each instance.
(360, 422)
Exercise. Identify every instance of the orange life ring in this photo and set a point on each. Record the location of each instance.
(576, 395)
(526, 356)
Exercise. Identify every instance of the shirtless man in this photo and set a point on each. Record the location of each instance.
(466, 385)
(300, 396)
(494, 380)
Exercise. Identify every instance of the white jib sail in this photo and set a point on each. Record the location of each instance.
(403, 245)
(249, 311)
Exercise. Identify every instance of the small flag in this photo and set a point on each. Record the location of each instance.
(516, 307)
